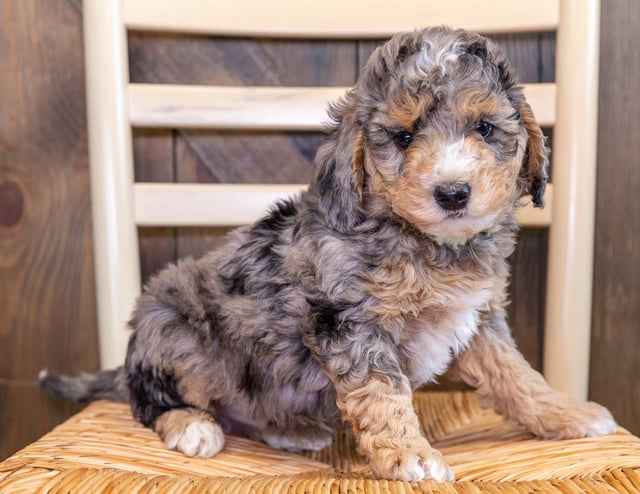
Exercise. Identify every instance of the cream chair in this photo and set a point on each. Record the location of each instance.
(104, 448)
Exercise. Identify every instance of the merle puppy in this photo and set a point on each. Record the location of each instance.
(390, 269)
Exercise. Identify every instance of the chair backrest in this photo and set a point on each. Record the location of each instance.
(115, 106)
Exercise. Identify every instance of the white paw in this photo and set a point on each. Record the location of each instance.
(200, 438)
(411, 465)
(436, 468)
(601, 424)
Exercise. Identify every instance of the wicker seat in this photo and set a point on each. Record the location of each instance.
(102, 449)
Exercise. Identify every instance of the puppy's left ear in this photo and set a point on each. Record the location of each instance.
(533, 174)
(339, 179)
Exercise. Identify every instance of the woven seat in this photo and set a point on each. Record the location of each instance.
(102, 449)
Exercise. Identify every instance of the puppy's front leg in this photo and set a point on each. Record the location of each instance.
(505, 381)
(388, 431)
(374, 395)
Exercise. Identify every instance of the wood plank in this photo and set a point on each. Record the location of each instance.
(206, 205)
(335, 18)
(615, 366)
(523, 52)
(153, 156)
(28, 413)
(246, 157)
(216, 157)
(527, 293)
(47, 307)
(547, 64)
(272, 108)
(176, 58)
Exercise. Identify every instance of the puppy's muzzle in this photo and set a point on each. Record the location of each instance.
(452, 197)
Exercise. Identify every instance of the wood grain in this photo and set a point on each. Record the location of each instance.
(528, 283)
(153, 155)
(47, 308)
(615, 365)
(186, 59)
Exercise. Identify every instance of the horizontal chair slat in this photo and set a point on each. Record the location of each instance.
(228, 107)
(542, 98)
(263, 108)
(336, 18)
(170, 204)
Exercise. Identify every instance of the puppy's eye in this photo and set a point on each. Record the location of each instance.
(403, 138)
(485, 129)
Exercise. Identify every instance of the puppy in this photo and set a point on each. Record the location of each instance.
(390, 269)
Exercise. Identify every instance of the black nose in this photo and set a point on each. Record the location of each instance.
(452, 197)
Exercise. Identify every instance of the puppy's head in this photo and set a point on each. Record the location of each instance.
(437, 132)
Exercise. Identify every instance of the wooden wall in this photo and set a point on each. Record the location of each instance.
(615, 360)
(47, 309)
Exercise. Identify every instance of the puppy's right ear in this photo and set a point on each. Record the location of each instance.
(339, 177)
(534, 172)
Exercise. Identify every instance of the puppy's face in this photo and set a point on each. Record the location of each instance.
(448, 141)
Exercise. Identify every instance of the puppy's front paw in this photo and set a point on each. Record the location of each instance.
(598, 421)
(424, 463)
(574, 419)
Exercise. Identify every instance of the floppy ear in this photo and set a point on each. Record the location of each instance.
(533, 174)
(536, 160)
(339, 176)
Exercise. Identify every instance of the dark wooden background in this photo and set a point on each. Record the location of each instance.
(47, 308)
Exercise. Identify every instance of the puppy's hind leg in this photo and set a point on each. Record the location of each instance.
(190, 431)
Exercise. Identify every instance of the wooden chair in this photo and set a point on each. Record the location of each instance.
(102, 448)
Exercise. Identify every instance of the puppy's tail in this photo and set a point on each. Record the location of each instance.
(101, 385)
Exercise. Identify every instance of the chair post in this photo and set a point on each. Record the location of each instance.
(569, 285)
(111, 165)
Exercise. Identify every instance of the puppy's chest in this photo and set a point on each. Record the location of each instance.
(415, 289)
(428, 343)
(432, 314)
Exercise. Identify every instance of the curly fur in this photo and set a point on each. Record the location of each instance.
(338, 303)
